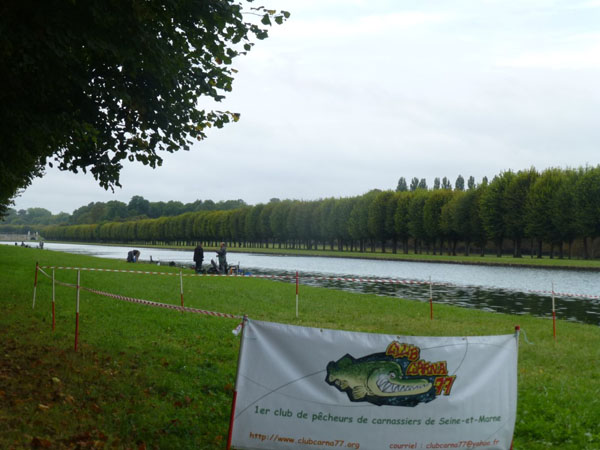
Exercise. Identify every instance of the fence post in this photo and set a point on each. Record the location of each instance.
(77, 310)
(181, 286)
(37, 265)
(53, 298)
(430, 299)
(553, 313)
(297, 282)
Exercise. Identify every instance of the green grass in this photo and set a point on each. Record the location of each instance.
(159, 378)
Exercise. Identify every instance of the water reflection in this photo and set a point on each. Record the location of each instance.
(476, 297)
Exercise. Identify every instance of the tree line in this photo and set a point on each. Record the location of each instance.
(546, 212)
(97, 212)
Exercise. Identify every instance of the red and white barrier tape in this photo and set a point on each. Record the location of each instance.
(146, 302)
(55, 280)
(143, 272)
(565, 294)
(318, 278)
(93, 269)
(161, 305)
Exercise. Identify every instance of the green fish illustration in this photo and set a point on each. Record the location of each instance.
(364, 379)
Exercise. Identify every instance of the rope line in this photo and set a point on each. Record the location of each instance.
(316, 278)
(141, 301)
(160, 305)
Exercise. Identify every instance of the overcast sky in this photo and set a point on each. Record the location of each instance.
(348, 96)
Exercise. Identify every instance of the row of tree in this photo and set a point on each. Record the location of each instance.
(98, 212)
(546, 210)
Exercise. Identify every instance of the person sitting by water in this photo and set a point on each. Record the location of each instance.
(133, 256)
(213, 267)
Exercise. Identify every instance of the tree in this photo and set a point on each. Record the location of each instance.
(264, 223)
(238, 222)
(457, 218)
(587, 197)
(31, 216)
(324, 222)
(115, 210)
(539, 201)
(476, 227)
(278, 221)
(563, 209)
(446, 183)
(90, 84)
(359, 217)
(415, 218)
(436, 183)
(252, 223)
(432, 216)
(342, 209)
(138, 206)
(471, 183)
(401, 219)
(379, 213)
(514, 205)
(92, 213)
(493, 211)
(422, 183)
(459, 185)
(448, 229)
(402, 186)
(414, 184)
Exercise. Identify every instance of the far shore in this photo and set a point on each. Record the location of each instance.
(476, 260)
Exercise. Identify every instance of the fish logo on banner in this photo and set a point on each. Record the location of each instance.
(396, 377)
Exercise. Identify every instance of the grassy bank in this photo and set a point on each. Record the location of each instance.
(154, 378)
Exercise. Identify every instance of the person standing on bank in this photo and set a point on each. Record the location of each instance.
(198, 257)
(222, 254)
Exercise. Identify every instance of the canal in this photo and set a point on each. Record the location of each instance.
(510, 290)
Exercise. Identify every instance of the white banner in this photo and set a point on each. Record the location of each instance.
(311, 388)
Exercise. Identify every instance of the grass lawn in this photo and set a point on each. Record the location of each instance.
(146, 377)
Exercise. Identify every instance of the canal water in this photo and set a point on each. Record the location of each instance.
(502, 289)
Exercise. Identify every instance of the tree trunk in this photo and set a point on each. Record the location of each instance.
(561, 254)
(517, 252)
